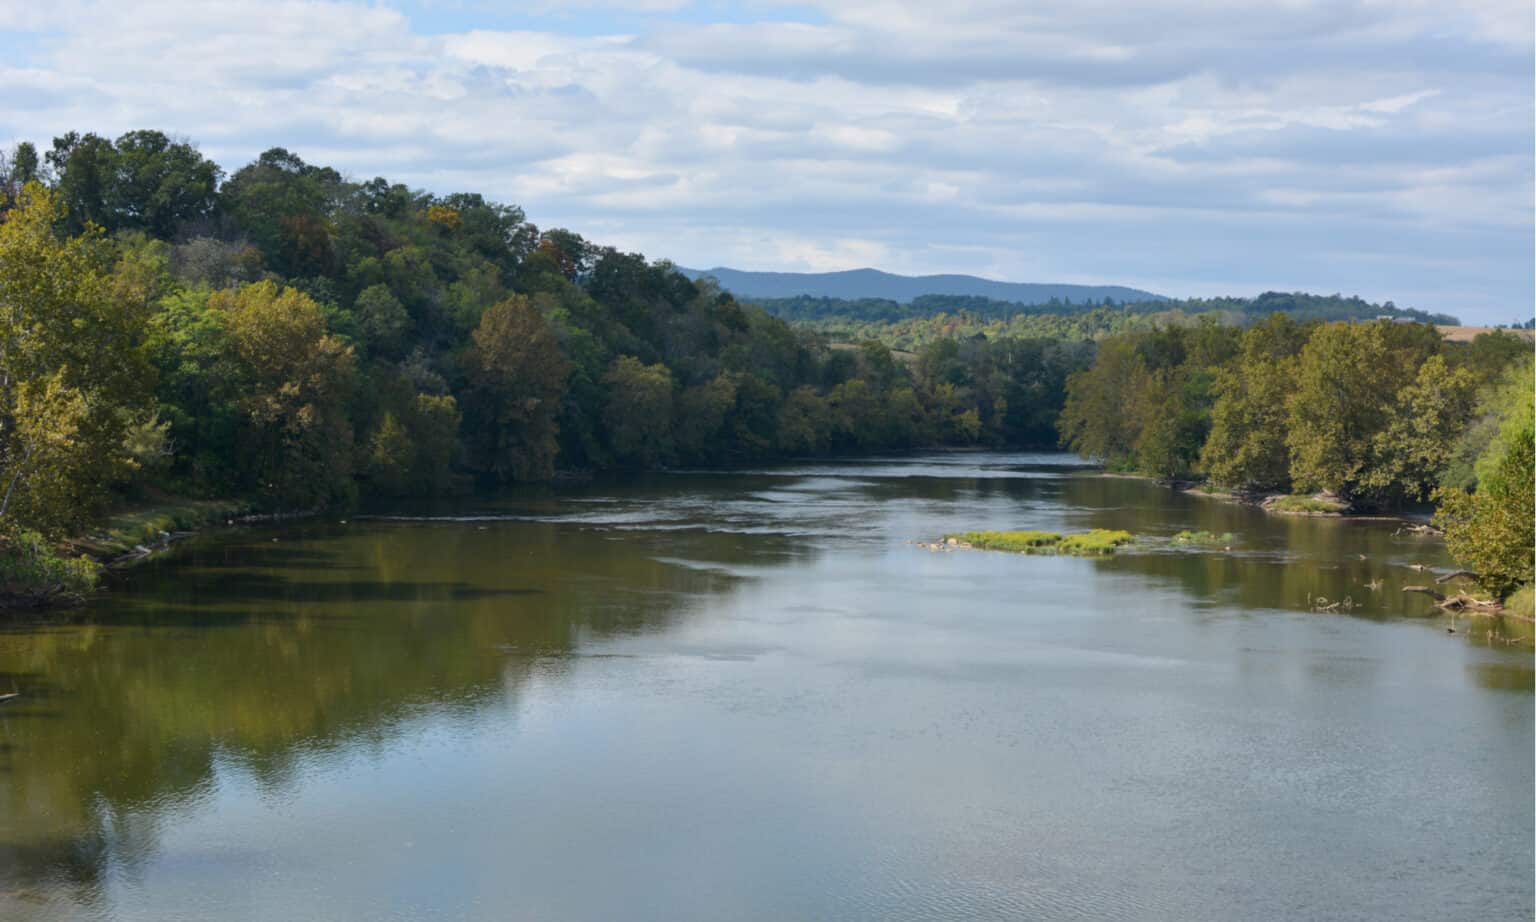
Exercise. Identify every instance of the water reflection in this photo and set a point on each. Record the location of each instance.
(266, 650)
(762, 650)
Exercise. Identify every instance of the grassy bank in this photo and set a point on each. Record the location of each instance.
(1522, 602)
(145, 524)
(36, 573)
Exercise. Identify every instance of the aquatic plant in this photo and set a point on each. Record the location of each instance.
(1097, 541)
(1204, 538)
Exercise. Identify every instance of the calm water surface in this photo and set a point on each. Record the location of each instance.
(746, 696)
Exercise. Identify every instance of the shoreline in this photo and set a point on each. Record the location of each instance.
(134, 533)
(1268, 501)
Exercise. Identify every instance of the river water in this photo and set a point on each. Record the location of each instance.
(746, 695)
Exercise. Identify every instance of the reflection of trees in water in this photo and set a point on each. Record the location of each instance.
(1275, 561)
(268, 655)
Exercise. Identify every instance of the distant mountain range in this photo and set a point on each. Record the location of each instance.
(872, 283)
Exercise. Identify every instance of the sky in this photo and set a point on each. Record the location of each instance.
(1190, 147)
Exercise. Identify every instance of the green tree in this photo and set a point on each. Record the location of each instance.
(638, 414)
(1347, 379)
(1172, 424)
(283, 205)
(1096, 420)
(433, 422)
(389, 457)
(805, 423)
(702, 411)
(517, 380)
(1490, 531)
(1430, 413)
(160, 184)
(296, 445)
(382, 320)
(73, 377)
(1247, 447)
(1503, 411)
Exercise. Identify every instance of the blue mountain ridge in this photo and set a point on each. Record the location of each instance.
(873, 283)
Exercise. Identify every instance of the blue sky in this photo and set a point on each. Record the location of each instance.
(1191, 147)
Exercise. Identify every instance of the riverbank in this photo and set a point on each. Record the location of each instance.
(36, 575)
(137, 530)
(1313, 504)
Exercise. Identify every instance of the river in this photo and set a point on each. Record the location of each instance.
(749, 696)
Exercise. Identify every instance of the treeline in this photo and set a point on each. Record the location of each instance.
(980, 310)
(300, 338)
(917, 332)
(1378, 414)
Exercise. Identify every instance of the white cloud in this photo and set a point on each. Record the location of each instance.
(1189, 144)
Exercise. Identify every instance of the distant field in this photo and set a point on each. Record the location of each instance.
(1467, 334)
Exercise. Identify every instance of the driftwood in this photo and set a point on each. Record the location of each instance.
(8, 696)
(1458, 602)
(1459, 573)
(1418, 529)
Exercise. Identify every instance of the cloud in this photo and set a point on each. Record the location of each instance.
(1190, 146)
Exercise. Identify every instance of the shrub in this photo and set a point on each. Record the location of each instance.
(32, 571)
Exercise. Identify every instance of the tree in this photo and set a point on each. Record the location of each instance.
(1418, 443)
(390, 456)
(638, 414)
(1346, 386)
(517, 379)
(1096, 421)
(1246, 447)
(1503, 411)
(283, 205)
(159, 184)
(1489, 531)
(381, 319)
(73, 378)
(433, 423)
(805, 423)
(17, 168)
(296, 447)
(701, 414)
(144, 181)
(1172, 425)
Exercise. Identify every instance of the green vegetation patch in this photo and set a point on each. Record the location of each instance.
(1023, 542)
(1522, 602)
(1204, 538)
(1087, 544)
(1098, 541)
(33, 573)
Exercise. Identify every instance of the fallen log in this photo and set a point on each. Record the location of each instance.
(1458, 574)
(1458, 602)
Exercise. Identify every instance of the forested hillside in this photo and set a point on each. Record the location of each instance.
(1376, 414)
(288, 334)
(299, 339)
(917, 322)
